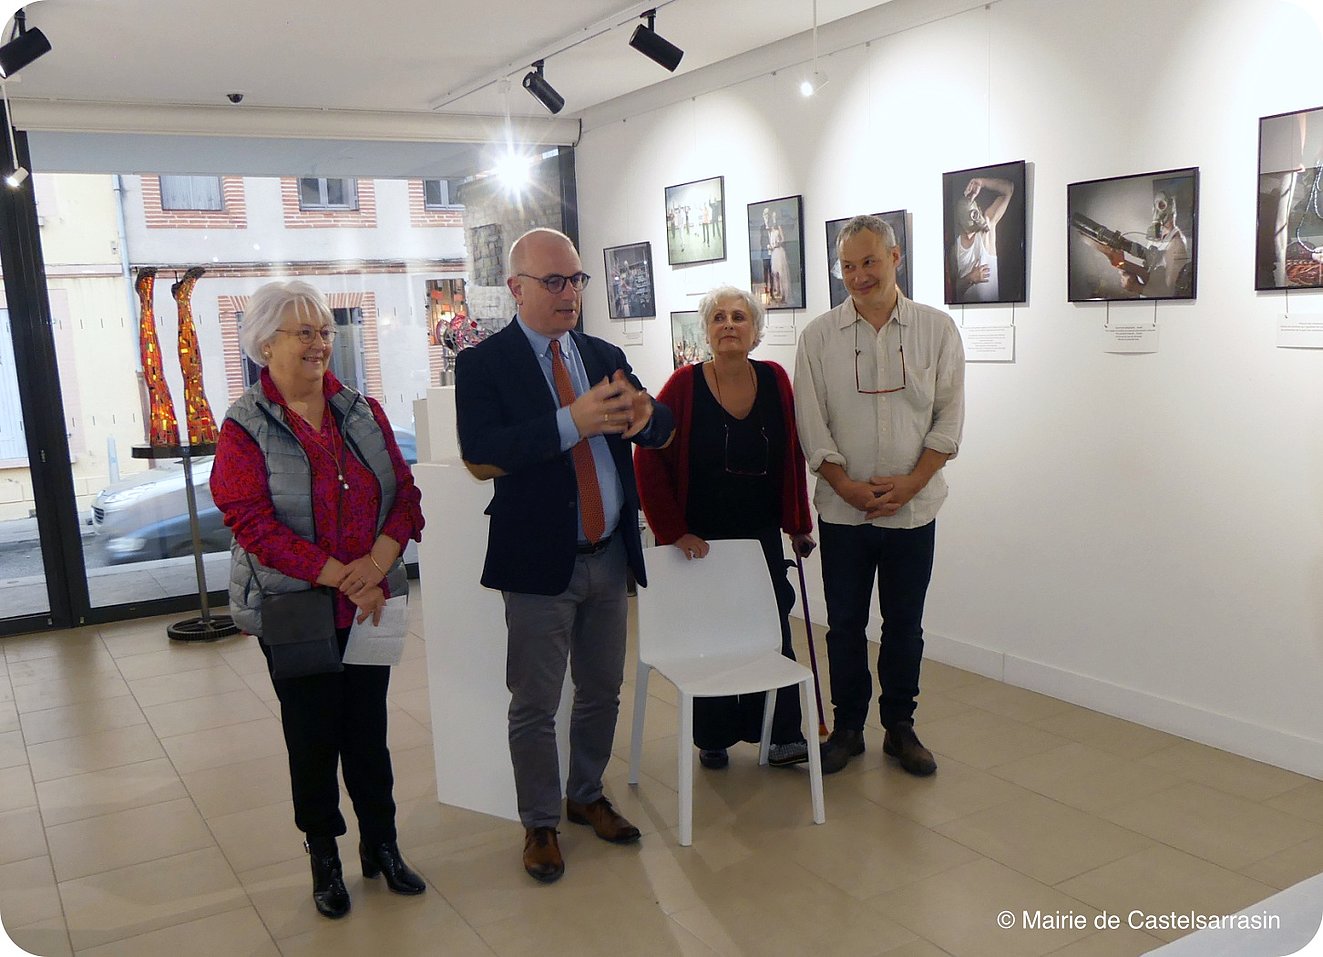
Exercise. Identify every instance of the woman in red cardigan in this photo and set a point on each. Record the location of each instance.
(734, 470)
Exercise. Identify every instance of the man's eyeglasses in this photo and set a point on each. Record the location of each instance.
(903, 377)
(308, 335)
(555, 283)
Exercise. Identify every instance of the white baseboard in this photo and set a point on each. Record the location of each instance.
(1271, 745)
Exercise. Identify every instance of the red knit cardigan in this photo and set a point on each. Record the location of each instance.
(663, 474)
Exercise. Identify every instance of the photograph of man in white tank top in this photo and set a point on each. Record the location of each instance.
(973, 255)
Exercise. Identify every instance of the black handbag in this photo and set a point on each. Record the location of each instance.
(298, 629)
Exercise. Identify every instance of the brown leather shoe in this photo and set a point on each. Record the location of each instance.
(903, 744)
(542, 857)
(609, 825)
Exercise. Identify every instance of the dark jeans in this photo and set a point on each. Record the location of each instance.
(901, 562)
(338, 719)
(721, 722)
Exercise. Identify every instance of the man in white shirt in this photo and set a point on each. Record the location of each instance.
(880, 404)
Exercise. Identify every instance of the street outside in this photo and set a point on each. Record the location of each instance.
(20, 550)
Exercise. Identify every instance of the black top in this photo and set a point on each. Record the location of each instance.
(735, 465)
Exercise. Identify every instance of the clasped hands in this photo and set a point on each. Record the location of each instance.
(360, 582)
(882, 495)
(612, 407)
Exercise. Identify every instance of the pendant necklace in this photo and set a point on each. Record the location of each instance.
(337, 459)
(717, 379)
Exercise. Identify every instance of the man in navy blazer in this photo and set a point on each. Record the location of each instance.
(548, 413)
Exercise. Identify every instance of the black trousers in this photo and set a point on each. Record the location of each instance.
(338, 720)
(900, 562)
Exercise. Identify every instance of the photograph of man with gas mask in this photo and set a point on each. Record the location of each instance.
(984, 234)
(1289, 248)
(1133, 237)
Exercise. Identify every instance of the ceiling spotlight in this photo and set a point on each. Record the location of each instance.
(543, 92)
(23, 47)
(654, 47)
(15, 179)
(815, 80)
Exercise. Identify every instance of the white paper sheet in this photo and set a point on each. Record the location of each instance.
(778, 331)
(1300, 331)
(380, 644)
(988, 343)
(1129, 339)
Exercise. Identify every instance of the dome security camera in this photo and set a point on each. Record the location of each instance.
(234, 97)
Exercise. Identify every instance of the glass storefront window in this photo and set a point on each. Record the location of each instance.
(390, 258)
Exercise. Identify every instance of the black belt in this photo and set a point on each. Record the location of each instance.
(592, 548)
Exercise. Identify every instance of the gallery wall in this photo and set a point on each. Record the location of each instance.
(1140, 534)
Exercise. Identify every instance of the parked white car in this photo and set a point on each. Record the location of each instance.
(145, 517)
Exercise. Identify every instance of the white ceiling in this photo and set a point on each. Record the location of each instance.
(404, 88)
(394, 55)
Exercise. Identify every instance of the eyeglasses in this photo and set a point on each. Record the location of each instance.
(749, 454)
(555, 283)
(308, 335)
(903, 378)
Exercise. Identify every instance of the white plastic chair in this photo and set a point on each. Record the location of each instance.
(711, 627)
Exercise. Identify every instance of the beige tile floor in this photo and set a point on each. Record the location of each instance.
(145, 809)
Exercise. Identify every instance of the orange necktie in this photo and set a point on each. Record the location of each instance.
(585, 472)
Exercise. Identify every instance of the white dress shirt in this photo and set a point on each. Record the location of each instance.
(870, 435)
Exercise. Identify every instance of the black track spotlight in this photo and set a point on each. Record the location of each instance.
(23, 47)
(654, 47)
(543, 92)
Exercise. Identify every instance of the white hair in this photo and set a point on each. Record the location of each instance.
(266, 311)
(757, 314)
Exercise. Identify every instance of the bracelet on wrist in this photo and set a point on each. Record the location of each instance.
(376, 566)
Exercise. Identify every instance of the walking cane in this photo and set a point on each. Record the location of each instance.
(813, 655)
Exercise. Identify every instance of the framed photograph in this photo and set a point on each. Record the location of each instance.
(696, 221)
(688, 339)
(1133, 237)
(629, 286)
(897, 219)
(983, 232)
(776, 252)
(1289, 235)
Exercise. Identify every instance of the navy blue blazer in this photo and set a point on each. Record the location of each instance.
(506, 417)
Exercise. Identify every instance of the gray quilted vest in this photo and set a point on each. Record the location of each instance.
(289, 476)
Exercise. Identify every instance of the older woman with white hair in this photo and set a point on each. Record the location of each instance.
(312, 483)
(734, 470)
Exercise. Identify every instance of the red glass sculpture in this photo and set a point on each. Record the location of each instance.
(164, 428)
(201, 423)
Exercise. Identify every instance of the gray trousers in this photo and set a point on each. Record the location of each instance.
(584, 625)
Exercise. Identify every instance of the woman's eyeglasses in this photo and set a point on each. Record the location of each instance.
(555, 283)
(748, 457)
(903, 377)
(308, 335)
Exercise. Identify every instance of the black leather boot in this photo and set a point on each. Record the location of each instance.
(383, 857)
(328, 884)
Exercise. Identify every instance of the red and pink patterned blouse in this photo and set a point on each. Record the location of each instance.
(345, 519)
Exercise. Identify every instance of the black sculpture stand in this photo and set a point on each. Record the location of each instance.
(209, 627)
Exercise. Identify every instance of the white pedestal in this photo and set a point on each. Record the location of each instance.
(464, 630)
(434, 424)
